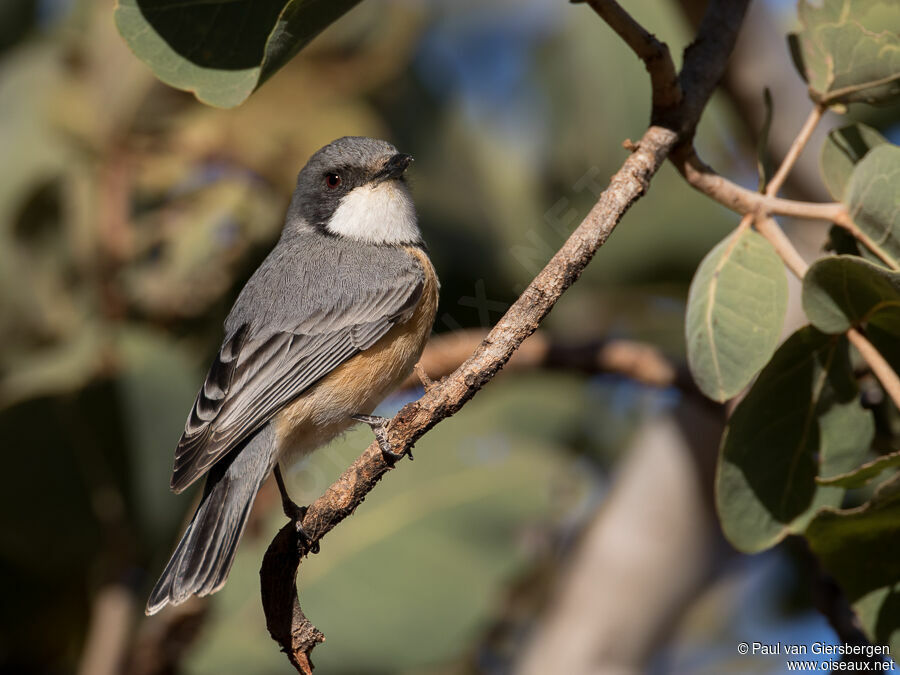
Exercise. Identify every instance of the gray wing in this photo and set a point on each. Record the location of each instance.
(256, 373)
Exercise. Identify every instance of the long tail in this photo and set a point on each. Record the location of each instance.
(203, 558)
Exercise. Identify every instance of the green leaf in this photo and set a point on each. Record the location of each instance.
(763, 162)
(846, 291)
(861, 476)
(860, 548)
(872, 197)
(801, 419)
(735, 310)
(156, 383)
(849, 50)
(222, 50)
(843, 148)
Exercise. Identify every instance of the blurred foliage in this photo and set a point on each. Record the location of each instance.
(222, 50)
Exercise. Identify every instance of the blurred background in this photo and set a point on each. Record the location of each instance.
(561, 518)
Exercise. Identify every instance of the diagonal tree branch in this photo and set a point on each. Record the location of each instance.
(703, 67)
(741, 200)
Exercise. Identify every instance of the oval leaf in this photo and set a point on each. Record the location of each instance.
(849, 50)
(841, 151)
(846, 291)
(222, 50)
(735, 310)
(872, 197)
(802, 419)
(860, 548)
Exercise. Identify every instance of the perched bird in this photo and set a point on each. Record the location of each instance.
(333, 320)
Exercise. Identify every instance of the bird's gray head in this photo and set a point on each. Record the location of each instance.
(354, 188)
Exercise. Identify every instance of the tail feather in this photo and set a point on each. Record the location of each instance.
(203, 558)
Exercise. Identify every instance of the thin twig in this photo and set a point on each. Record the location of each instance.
(880, 367)
(768, 228)
(741, 200)
(654, 53)
(842, 218)
(765, 224)
(851, 227)
(785, 249)
(423, 377)
(806, 132)
(776, 236)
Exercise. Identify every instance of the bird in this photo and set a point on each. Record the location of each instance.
(332, 321)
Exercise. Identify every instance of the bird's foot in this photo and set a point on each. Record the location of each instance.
(379, 428)
(295, 514)
(304, 541)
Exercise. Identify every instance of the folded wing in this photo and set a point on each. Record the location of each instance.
(259, 371)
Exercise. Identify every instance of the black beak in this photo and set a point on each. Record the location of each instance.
(395, 166)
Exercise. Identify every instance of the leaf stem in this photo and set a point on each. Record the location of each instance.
(806, 131)
(882, 369)
(833, 96)
(702, 177)
(768, 228)
(847, 223)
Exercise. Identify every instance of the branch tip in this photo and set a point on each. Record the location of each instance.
(427, 382)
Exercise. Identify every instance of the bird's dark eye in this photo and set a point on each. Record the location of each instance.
(332, 180)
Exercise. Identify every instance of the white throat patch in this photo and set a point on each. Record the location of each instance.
(381, 213)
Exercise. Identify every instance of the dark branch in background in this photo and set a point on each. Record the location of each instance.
(638, 361)
(162, 640)
(704, 64)
(830, 600)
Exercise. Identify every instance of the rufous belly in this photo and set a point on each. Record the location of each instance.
(359, 384)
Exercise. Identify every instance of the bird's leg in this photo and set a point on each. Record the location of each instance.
(379, 426)
(295, 513)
